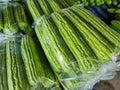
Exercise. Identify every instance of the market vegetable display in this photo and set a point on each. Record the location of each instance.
(56, 44)
(48, 6)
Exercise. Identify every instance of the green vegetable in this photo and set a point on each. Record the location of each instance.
(16, 77)
(115, 28)
(10, 25)
(115, 2)
(57, 52)
(116, 24)
(3, 71)
(34, 9)
(36, 66)
(97, 42)
(63, 3)
(1, 21)
(45, 6)
(111, 10)
(99, 2)
(21, 18)
(75, 42)
(54, 5)
(108, 2)
(99, 25)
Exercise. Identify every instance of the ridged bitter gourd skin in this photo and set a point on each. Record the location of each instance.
(77, 44)
(16, 77)
(95, 40)
(57, 52)
(10, 25)
(99, 25)
(21, 18)
(36, 66)
(1, 21)
(3, 73)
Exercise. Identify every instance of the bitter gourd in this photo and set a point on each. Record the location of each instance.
(16, 76)
(100, 26)
(21, 19)
(97, 42)
(1, 21)
(10, 25)
(75, 42)
(3, 73)
(34, 9)
(57, 52)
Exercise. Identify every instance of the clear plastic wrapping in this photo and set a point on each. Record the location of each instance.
(80, 48)
(4, 1)
(18, 72)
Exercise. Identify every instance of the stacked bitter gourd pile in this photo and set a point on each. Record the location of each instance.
(66, 46)
(75, 40)
(23, 63)
(41, 7)
(23, 67)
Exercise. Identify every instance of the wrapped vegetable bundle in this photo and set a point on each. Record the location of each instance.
(13, 19)
(16, 78)
(10, 26)
(24, 66)
(76, 46)
(12, 76)
(74, 50)
(36, 66)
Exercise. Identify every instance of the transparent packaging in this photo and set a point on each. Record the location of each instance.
(81, 48)
(4, 1)
(17, 72)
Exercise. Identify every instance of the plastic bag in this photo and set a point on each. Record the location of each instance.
(79, 47)
(17, 72)
(4, 1)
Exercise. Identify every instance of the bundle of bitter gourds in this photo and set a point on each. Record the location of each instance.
(74, 39)
(13, 19)
(12, 76)
(67, 49)
(36, 66)
(24, 66)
